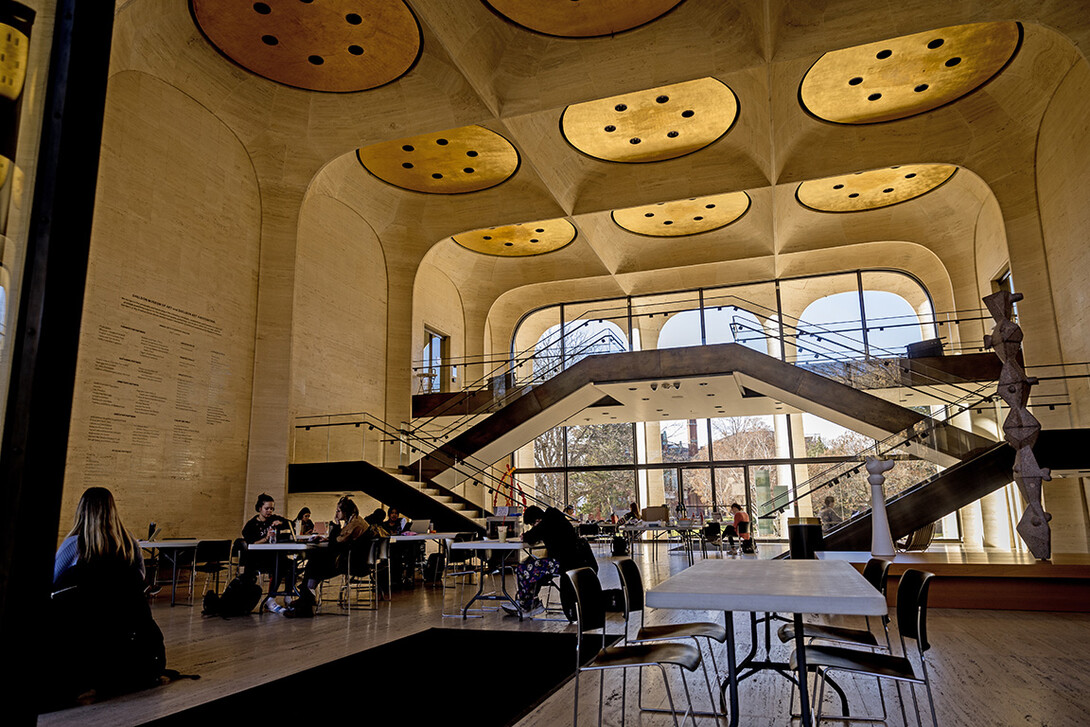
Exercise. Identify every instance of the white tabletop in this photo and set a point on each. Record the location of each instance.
(290, 546)
(645, 526)
(422, 536)
(794, 586)
(164, 544)
(488, 545)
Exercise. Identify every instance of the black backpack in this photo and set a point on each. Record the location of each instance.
(620, 546)
(238, 599)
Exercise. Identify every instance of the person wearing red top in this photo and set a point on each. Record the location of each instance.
(739, 529)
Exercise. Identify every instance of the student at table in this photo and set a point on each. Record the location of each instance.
(403, 556)
(565, 552)
(328, 562)
(740, 528)
(303, 524)
(633, 514)
(395, 524)
(97, 535)
(101, 634)
(263, 528)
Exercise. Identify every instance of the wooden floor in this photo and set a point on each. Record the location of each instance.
(988, 667)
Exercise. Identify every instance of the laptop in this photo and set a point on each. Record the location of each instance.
(321, 527)
(420, 526)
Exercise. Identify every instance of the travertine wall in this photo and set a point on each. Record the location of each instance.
(437, 304)
(339, 318)
(161, 410)
(1063, 180)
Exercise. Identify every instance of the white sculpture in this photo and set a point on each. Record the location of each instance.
(881, 542)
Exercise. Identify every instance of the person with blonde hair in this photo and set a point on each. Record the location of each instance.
(97, 536)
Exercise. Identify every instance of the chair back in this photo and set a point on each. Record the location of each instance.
(743, 527)
(238, 553)
(876, 571)
(588, 530)
(590, 605)
(458, 556)
(213, 551)
(631, 585)
(361, 556)
(912, 606)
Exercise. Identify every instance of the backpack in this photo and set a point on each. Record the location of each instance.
(620, 546)
(238, 599)
(433, 569)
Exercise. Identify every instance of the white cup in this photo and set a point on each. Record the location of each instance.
(502, 530)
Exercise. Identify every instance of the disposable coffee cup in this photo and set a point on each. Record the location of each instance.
(503, 534)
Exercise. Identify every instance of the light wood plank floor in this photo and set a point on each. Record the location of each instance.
(989, 667)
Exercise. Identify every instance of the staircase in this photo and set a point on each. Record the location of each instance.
(448, 511)
(966, 482)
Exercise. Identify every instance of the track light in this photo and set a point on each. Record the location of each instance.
(654, 386)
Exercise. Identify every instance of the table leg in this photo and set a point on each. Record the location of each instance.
(732, 670)
(800, 658)
(173, 576)
(480, 588)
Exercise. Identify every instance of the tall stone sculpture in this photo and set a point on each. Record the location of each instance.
(1020, 428)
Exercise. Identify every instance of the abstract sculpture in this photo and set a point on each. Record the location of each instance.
(1020, 428)
(881, 542)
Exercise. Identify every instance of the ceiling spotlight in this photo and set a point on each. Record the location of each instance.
(666, 384)
(677, 384)
(654, 387)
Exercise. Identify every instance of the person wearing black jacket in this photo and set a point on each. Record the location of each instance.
(565, 552)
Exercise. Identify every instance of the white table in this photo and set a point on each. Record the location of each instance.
(686, 532)
(286, 547)
(507, 547)
(420, 537)
(172, 550)
(795, 586)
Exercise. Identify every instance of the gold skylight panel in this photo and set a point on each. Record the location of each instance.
(333, 45)
(905, 76)
(654, 124)
(685, 216)
(581, 18)
(874, 189)
(522, 240)
(455, 161)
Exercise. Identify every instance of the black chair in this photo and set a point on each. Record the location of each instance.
(591, 616)
(711, 533)
(877, 573)
(912, 624)
(361, 576)
(633, 590)
(237, 561)
(458, 567)
(212, 557)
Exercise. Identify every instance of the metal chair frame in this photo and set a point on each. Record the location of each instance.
(633, 590)
(591, 616)
(912, 594)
